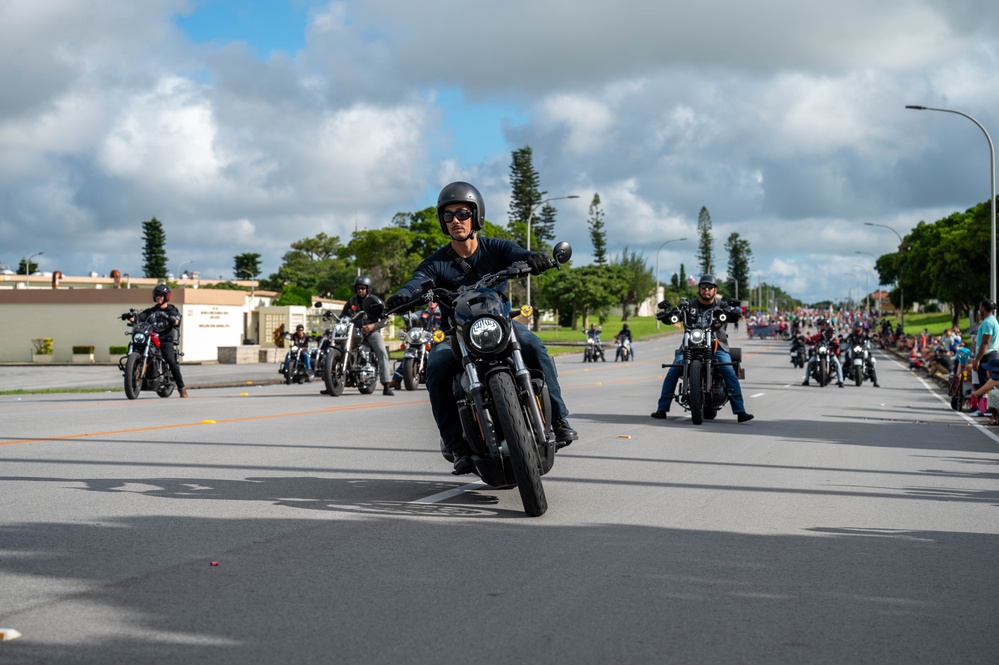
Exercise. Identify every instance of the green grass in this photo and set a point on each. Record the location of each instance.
(642, 327)
(935, 323)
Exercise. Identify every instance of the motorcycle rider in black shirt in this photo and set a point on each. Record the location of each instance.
(461, 212)
(165, 319)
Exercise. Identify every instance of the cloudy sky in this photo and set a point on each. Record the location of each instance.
(246, 125)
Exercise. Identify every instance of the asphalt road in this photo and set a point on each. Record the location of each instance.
(850, 525)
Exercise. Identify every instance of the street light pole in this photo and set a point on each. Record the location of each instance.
(901, 292)
(179, 266)
(27, 269)
(879, 278)
(992, 191)
(657, 268)
(530, 218)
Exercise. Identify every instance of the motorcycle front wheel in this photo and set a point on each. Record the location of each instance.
(410, 374)
(133, 375)
(695, 388)
(520, 441)
(333, 374)
(858, 375)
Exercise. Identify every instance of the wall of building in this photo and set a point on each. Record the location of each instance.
(90, 317)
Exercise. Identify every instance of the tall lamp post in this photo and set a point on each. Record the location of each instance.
(849, 298)
(867, 287)
(992, 191)
(530, 218)
(657, 267)
(879, 278)
(179, 266)
(901, 293)
(27, 269)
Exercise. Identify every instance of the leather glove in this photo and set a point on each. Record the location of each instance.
(397, 299)
(539, 262)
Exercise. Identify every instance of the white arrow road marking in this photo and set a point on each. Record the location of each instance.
(442, 496)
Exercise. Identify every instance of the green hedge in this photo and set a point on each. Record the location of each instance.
(118, 350)
(83, 349)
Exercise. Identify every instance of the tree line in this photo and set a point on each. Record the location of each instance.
(946, 260)
(326, 266)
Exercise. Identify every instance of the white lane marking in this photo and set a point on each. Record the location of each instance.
(757, 395)
(441, 496)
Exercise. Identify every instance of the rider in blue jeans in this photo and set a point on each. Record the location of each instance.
(707, 290)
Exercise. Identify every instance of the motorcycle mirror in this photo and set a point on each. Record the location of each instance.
(664, 305)
(734, 303)
(373, 307)
(427, 285)
(318, 305)
(562, 252)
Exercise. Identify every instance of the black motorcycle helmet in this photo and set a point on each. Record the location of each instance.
(462, 192)
(707, 278)
(161, 290)
(625, 326)
(362, 280)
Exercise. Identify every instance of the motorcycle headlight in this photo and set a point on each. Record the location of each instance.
(697, 337)
(139, 337)
(858, 350)
(823, 350)
(416, 335)
(485, 334)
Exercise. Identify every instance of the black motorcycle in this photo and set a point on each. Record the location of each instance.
(143, 366)
(418, 341)
(349, 362)
(594, 350)
(798, 353)
(293, 367)
(701, 389)
(505, 409)
(820, 357)
(859, 362)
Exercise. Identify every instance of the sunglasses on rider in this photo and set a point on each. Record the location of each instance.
(462, 215)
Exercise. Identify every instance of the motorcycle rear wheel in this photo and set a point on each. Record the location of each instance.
(520, 441)
(695, 390)
(410, 374)
(165, 391)
(133, 376)
(332, 374)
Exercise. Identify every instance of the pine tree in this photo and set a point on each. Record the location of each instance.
(154, 252)
(705, 246)
(246, 266)
(597, 233)
(525, 195)
(739, 258)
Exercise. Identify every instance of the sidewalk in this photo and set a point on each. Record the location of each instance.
(40, 377)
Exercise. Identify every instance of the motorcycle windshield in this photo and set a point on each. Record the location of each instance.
(475, 303)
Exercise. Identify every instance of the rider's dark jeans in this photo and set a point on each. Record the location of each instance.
(170, 356)
(306, 359)
(442, 367)
(728, 376)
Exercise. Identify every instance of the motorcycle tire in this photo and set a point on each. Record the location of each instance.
(695, 390)
(166, 390)
(710, 413)
(332, 375)
(520, 441)
(858, 376)
(410, 374)
(367, 388)
(133, 376)
(823, 374)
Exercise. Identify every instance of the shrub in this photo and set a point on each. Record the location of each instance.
(118, 350)
(43, 346)
(83, 349)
